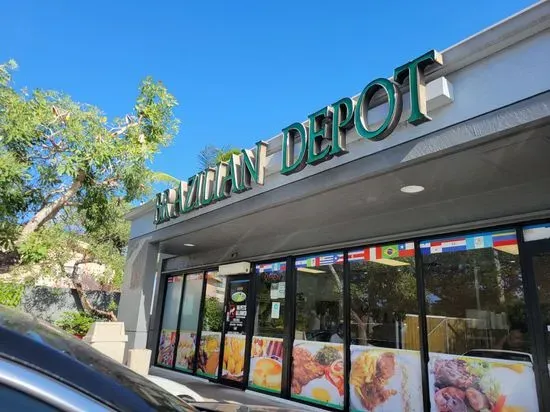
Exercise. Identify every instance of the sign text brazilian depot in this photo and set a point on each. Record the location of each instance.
(321, 137)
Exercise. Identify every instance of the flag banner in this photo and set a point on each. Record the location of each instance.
(320, 260)
(375, 253)
(469, 242)
(271, 267)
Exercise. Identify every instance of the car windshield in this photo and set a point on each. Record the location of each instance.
(48, 335)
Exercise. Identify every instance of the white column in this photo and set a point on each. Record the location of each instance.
(142, 264)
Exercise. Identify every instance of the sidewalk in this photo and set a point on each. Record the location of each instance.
(221, 393)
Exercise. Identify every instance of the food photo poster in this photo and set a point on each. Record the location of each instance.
(469, 383)
(185, 351)
(385, 379)
(167, 345)
(318, 373)
(266, 364)
(209, 354)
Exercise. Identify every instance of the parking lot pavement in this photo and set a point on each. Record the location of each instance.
(221, 393)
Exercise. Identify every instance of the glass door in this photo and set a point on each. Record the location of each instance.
(536, 262)
(235, 329)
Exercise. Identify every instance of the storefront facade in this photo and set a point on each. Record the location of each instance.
(399, 263)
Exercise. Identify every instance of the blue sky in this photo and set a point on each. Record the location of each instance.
(242, 69)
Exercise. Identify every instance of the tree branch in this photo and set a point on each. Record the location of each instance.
(86, 305)
(47, 212)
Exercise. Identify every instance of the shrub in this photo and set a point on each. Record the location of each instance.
(11, 294)
(75, 323)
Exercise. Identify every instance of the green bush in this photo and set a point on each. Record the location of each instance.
(11, 294)
(75, 323)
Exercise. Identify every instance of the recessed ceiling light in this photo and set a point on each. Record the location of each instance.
(412, 189)
(189, 245)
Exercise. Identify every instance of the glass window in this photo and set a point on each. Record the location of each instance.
(317, 354)
(475, 307)
(211, 335)
(541, 269)
(189, 320)
(267, 343)
(167, 341)
(536, 232)
(384, 329)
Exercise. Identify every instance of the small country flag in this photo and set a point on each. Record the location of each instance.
(390, 252)
(406, 249)
(374, 254)
(504, 239)
(356, 255)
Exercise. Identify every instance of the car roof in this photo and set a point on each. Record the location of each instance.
(38, 345)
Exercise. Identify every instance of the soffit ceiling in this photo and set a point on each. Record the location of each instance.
(501, 177)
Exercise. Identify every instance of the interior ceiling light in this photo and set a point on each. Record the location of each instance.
(412, 189)
(188, 244)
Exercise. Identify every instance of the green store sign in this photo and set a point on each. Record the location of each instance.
(322, 137)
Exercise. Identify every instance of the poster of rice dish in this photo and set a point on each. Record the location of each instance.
(209, 354)
(167, 345)
(464, 384)
(385, 380)
(318, 373)
(185, 352)
(266, 364)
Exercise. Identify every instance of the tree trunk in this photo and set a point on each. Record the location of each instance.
(51, 209)
(88, 306)
(362, 327)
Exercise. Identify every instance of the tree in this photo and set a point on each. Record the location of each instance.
(213, 314)
(68, 175)
(211, 155)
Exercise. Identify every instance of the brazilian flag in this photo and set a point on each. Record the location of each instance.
(390, 252)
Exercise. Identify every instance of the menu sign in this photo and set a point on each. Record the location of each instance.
(236, 318)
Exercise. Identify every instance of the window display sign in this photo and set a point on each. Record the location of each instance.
(166, 348)
(468, 383)
(318, 373)
(236, 318)
(266, 364)
(186, 351)
(233, 357)
(209, 354)
(275, 310)
(384, 379)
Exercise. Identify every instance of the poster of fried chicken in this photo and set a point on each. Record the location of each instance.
(318, 373)
(384, 379)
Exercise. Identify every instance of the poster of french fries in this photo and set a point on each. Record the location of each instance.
(233, 357)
